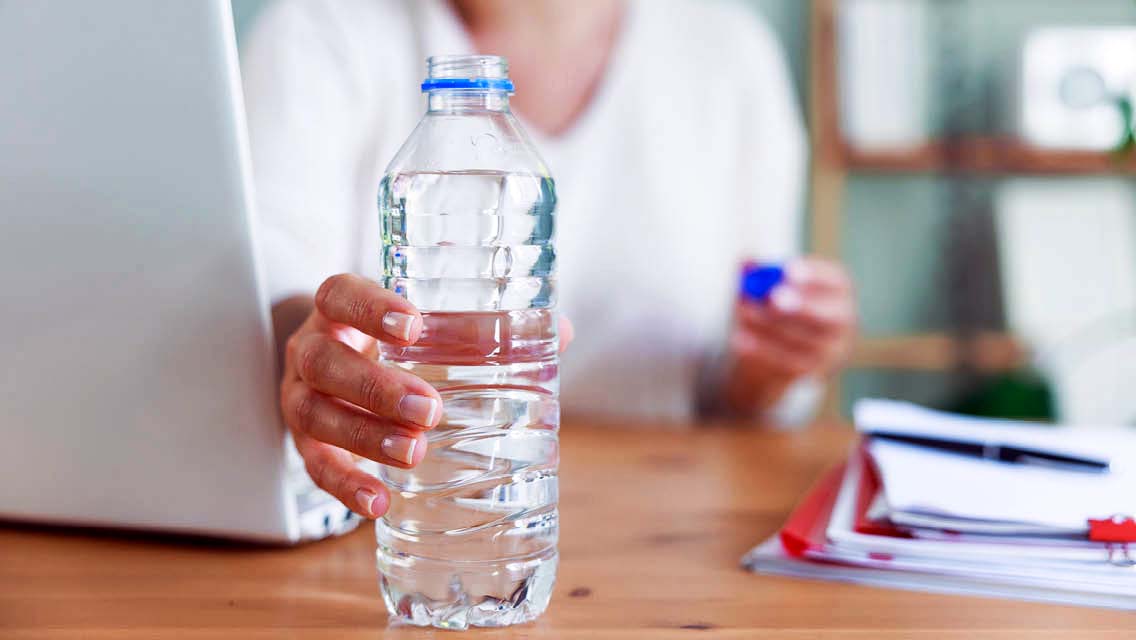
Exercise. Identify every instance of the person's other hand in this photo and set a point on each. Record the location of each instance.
(337, 400)
(805, 328)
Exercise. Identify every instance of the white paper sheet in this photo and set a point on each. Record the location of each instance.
(1084, 566)
(923, 485)
(1115, 443)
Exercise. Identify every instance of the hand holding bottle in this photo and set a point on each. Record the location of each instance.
(337, 400)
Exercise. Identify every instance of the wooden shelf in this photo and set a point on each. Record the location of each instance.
(989, 352)
(833, 159)
(993, 156)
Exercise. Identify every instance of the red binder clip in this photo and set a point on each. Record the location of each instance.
(1118, 528)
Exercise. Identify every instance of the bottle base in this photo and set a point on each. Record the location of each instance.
(466, 605)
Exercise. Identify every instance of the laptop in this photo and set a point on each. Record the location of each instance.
(138, 387)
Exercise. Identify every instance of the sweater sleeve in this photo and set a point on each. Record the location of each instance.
(303, 99)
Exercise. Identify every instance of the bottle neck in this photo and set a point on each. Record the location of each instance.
(465, 100)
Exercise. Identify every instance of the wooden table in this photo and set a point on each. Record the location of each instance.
(654, 522)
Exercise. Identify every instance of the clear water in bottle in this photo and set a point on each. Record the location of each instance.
(467, 212)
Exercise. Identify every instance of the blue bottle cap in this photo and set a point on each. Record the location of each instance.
(759, 279)
(488, 84)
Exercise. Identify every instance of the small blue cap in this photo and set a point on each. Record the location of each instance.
(488, 84)
(759, 279)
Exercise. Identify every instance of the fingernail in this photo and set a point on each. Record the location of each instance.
(418, 409)
(365, 498)
(399, 325)
(785, 299)
(400, 448)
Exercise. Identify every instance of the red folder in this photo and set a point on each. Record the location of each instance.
(866, 493)
(804, 530)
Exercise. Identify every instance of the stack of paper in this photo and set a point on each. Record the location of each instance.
(933, 501)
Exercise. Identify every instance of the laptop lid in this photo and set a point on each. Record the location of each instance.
(138, 383)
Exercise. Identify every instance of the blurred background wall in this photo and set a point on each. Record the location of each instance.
(920, 243)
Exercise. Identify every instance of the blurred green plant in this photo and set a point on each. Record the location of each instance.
(1019, 395)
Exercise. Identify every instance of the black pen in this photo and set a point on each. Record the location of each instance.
(998, 452)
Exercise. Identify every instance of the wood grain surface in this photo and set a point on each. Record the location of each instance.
(654, 521)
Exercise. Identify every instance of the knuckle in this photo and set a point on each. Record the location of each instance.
(292, 348)
(371, 390)
(312, 359)
(303, 409)
(359, 434)
(325, 474)
(362, 309)
(338, 483)
(318, 470)
(328, 289)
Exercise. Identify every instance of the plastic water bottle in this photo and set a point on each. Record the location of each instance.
(467, 216)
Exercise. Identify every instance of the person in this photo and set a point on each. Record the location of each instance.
(678, 150)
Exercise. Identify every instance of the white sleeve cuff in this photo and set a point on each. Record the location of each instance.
(798, 405)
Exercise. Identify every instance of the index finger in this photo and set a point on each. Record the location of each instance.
(814, 273)
(361, 303)
(824, 310)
